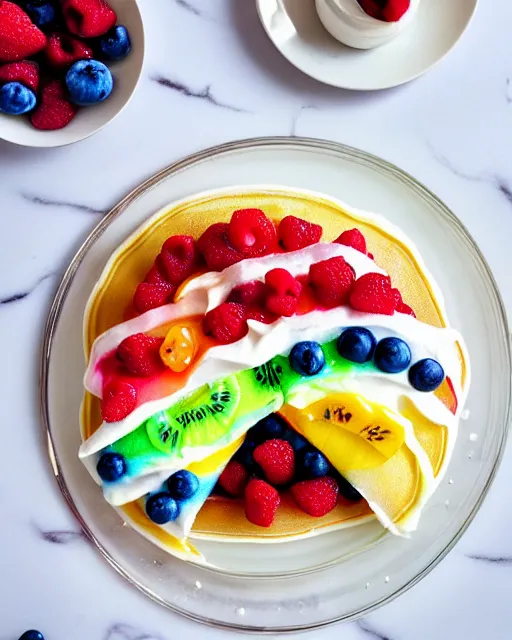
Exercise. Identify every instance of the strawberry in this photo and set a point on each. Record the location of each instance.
(250, 293)
(252, 233)
(226, 323)
(284, 291)
(88, 18)
(371, 7)
(373, 293)
(261, 502)
(140, 354)
(295, 233)
(216, 249)
(394, 10)
(277, 461)
(19, 37)
(150, 296)
(119, 400)
(54, 110)
(316, 497)
(179, 258)
(352, 238)
(62, 50)
(331, 281)
(26, 72)
(234, 479)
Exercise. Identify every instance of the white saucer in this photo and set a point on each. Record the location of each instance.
(295, 29)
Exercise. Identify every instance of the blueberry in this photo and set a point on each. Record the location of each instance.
(32, 635)
(307, 358)
(89, 82)
(298, 442)
(392, 355)
(111, 467)
(41, 12)
(349, 492)
(313, 464)
(244, 455)
(426, 375)
(356, 344)
(162, 507)
(183, 485)
(16, 98)
(115, 44)
(267, 429)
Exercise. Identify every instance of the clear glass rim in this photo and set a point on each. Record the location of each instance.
(303, 144)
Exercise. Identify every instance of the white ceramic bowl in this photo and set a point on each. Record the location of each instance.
(89, 120)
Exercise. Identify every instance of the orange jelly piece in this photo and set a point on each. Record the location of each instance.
(179, 348)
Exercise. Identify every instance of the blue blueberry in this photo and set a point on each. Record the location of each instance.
(162, 507)
(245, 457)
(41, 12)
(298, 442)
(307, 358)
(426, 375)
(116, 44)
(183, 485)
(267, 429)
(313, 464)
(392, 355)
(349, 492)
(16, 99)
(32, 635)
(89, 82)
(111, 467)
(356, 344)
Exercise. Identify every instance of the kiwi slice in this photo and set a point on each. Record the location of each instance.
(197, 420)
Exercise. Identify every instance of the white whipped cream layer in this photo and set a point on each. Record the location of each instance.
(346, 21)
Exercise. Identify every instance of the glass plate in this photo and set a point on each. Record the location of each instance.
(334, 585)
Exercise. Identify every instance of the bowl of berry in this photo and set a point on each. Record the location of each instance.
(67, 67)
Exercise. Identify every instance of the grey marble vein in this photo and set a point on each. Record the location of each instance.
(188, 7)
(504, 561)
(370, 631)
(508, 90)
(205, 94)
(496, 181)
(21, 295)
(121, 631)
(296, 117)
(47, 202)
(59, 536)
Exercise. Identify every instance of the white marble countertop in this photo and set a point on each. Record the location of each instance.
(452, 129)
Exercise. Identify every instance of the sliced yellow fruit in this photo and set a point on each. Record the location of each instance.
(179, 347)
(356, 433)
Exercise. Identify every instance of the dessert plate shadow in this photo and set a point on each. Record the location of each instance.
(296, 31)
(313, 583)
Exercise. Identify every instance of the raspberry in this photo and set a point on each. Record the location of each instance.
(88, 18)
(250, 293)
(331, 281)
(260, 315)
(277, 461)
(150, 296)
(119, 400)
(140, 354)
(394, 10)
(156, 275)
(284, 292)
(371, 7)
(261, 502)
(373, 293)
(252, 233)
(179, 258)
(400, 305)
(316, 497)
(26, 72)
(234, 478)
(226, 323)
(54, 110)
(353, 238)
(295, 233)
(215, 247)
(62, 50)
(19, 37)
